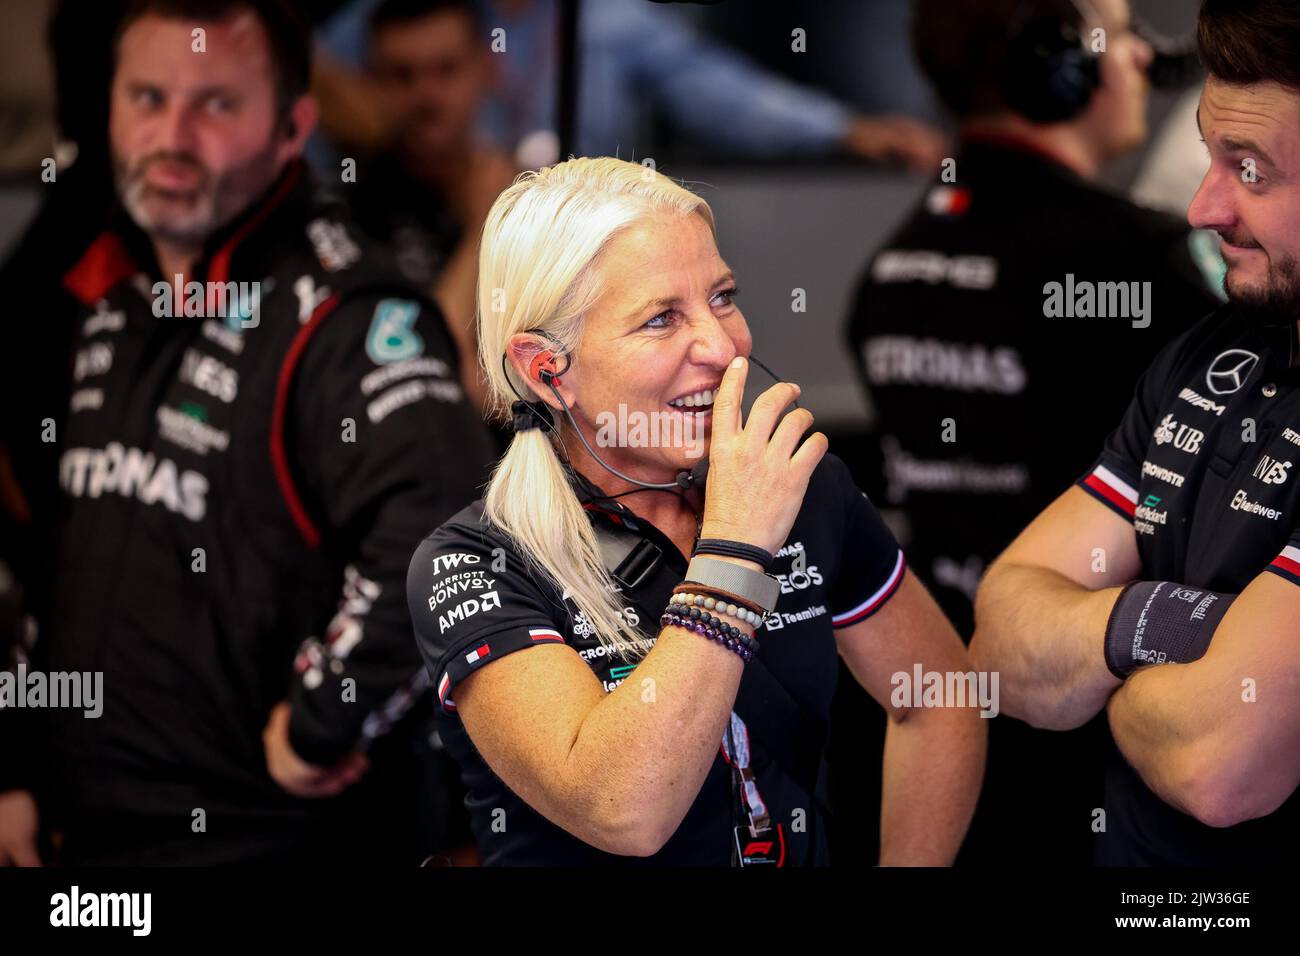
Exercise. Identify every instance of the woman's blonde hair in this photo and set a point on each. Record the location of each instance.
(537, 271)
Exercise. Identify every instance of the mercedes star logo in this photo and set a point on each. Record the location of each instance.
(1229, 371)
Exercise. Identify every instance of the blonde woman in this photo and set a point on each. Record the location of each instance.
(671, 703)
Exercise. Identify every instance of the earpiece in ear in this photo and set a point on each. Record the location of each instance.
(543, 368)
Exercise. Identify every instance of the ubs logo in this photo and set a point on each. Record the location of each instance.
(1185, 437)
(1229, 371)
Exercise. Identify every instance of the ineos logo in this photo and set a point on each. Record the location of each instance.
(1229, 371)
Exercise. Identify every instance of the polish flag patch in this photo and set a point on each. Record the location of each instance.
(1113, 490)
(1288, 562)
(543, 634)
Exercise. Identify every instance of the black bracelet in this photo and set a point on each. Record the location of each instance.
(691, 613)
(745, 652)
(734, 549)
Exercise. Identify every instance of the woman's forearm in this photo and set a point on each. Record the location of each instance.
(643, 752)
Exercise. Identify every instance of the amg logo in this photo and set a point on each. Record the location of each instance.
(1162, 474)
(1200, 401)
(913, 265)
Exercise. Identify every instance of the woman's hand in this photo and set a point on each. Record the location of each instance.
(757, 478)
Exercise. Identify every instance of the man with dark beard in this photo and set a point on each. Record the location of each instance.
(1180, 546)
(261, 420)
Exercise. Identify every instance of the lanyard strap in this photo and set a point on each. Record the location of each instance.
(735, 751)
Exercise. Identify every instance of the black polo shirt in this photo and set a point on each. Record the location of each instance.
(474, 599)
(1203, 464)
(980, 422)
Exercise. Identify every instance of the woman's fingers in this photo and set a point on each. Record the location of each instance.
(786, 437)
(731, 395)
(768, 408)
(809, 454)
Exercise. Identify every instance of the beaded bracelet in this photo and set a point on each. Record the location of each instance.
(722, 606)
(699, 627)
(694, 613)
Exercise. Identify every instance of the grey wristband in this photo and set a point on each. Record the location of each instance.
(762, 589)
(1161, 622)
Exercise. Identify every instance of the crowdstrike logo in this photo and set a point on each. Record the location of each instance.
(1152, 470)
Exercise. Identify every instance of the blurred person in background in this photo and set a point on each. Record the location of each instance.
(638, 62)
(244, 470)
(426, 195)
(988, 397)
